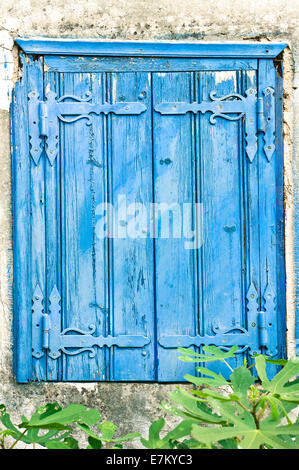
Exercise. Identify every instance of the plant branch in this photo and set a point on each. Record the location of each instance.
(243, 406)
(18, 439)
(228, 365)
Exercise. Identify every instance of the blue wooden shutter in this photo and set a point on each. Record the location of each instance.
(92, 130)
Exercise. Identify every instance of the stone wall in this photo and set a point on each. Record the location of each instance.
(132, 406)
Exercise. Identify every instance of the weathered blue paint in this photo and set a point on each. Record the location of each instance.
(156, 49)
(56, 63)
(116, 309)
(21, 234)
(44, 116)
(270, 203)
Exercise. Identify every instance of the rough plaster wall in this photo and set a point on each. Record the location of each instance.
(132, 406)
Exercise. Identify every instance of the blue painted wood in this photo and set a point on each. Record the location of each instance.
(151, 288)
(83, 270)
(29, 225)
(21, 231)
(249, 180)
(281, 275)
(131, 273)
(170, 49)
(174, 183)
(53, 236)
(37, 214)
(56, 63)
(270, 201)
(223, 262)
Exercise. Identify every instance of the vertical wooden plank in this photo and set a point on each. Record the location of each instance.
(98, 189)
(21, 230)
(131, 255)
(251, 215)
(53, 223)
(222, 261)
(269, 214)
(37, 212)
(281, 275)
(82, 260)
(174, 175)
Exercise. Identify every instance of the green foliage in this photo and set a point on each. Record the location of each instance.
(169, 441)
(31, 433)
(244, 412)
(50, 426)
(107, 436)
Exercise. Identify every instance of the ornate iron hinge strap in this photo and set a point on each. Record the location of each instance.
(48, 338)
(234, 107)
(254, 338)
(266, 120)
(44, 118)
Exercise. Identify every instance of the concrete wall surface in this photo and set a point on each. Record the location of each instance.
(133, 406)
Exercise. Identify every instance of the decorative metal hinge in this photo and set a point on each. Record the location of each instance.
(254, 338)
(258, 115)
(266, 120)
(44, 118)
(49, 338)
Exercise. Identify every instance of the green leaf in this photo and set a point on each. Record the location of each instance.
(193, 406)
(260, 365)
(56, 445)
(127, 437)
(281, 385)
(213, 354)
(107, 429)
(153, 435)
(169, 408)
(190, 444)
(6, 432)
(217, 379)
(181, 430)
(274, 405)
(46, 411)
(217, 395)
(52, 435)
(219, 354)
(94, 443)
(54, 417)
(68, 443)
(54, 426)
(278, 362)
(279, 409)
(189, 351)
(71, 443)
(6, 421)
(241, 379)
(32, 436)
(244, 427)
(90, 417)
(87, 430)
(228, 444)
(155, 442)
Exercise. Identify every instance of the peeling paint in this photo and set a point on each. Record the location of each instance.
(225, 76)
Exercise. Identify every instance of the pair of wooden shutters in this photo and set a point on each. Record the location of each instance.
(152, 133)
